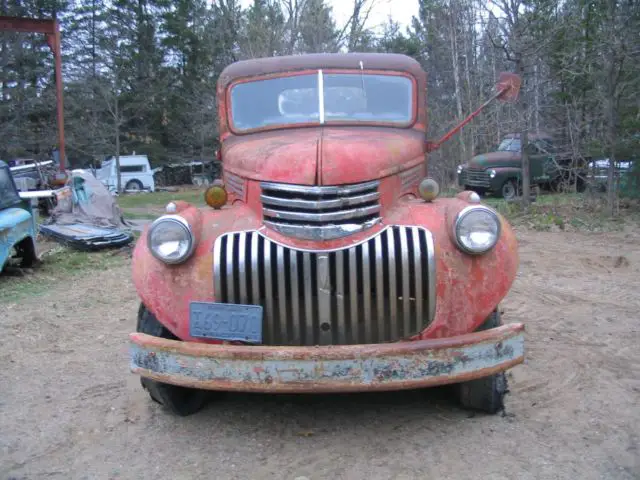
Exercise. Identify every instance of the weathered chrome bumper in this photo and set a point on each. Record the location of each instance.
(345, 368)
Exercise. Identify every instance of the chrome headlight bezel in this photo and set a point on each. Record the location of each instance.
(492, 173)
(460, 217)
(184, 225)
(459, 169)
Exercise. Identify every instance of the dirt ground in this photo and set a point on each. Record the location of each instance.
(69, 408)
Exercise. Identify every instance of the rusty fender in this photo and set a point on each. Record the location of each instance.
(344, 368)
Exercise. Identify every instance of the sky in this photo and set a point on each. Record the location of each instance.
(400, 10)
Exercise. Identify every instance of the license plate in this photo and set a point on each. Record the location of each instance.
(226, 321)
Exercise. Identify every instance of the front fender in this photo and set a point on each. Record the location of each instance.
(468, 287)
(167, 290)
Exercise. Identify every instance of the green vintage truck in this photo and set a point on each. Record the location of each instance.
(500, 172)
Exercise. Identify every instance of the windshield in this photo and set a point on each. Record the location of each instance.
(509, 145)
(8, 194)
(322, 98)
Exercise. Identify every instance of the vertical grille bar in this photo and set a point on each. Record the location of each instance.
(217, 267)
(295, 297)
(324, 298)
(256, 294)
(340, 297)
(309, 336)
(366, 294)
(380, 288)
(404, 252)
(353, 295)
(417, 255)
(268, 298)
(328, 297)
(393, 294)
(242, 269)
(230, 270)
(283, 333)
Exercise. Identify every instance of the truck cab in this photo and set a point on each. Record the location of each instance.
(326, 260)
(135, 173)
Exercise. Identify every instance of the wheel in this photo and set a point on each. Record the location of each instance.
(509, 189)
(487, 393)
(134, 185)
(181, 401)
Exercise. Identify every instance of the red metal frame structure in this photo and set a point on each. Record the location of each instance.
(50, 28)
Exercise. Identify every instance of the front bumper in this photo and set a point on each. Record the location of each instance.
(344, 368)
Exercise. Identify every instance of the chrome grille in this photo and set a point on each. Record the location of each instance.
(474, 177)
(320, 212)
(381, 290)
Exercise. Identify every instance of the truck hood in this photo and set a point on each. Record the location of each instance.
(495, 159)
(323, 155)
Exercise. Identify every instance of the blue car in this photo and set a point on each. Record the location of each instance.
(17, 223)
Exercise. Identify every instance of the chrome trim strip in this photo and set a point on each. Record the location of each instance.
(366, 294)
(380, 296)
(268, 200)
(417, 255)
(320, 232)
(393, 293)
(431, 265)
(255, 273)
(217, 268)
(404, 255)
(242, 270)
(322, 217)
(308, 299)
(324, 299)
(320, 190)
(282, 294)
(229, 270)
(353, 287)
(340, 294)
(268, 284)
(295, 295)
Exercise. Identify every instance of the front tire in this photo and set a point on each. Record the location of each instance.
(133, 185)
(485, 394)
(509, 190)
(181, 401)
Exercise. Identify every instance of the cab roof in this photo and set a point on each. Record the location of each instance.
(288, 63)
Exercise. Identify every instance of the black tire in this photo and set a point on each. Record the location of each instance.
(485, 394)
(509, 189)
(181, 401)
(133, 185)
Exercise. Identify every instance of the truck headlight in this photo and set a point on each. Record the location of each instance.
(476, 229)
(459, 169)
(170, 239)
(492, 173)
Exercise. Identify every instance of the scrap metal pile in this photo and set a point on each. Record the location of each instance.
(86, 216)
